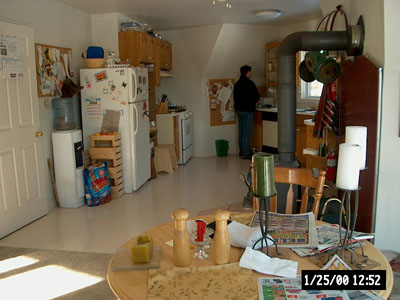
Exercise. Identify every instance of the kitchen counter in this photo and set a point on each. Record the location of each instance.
(266, 127)
(300, 111)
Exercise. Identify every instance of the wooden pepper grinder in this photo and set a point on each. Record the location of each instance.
(222, 245)
(182, 255)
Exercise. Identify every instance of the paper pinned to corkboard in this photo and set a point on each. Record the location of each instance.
(195, 283)
(220, 94)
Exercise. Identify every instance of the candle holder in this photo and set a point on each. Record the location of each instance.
(264, 219)
(263, 183)
(346, 242)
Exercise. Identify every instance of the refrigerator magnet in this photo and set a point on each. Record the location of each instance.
(110, 82)
(124, 84)
(122, 73)
(105, 91)
(101, 76)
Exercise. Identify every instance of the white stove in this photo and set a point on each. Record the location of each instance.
(185, 136)
(166, 127)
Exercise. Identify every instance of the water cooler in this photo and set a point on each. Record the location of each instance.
(68, 167)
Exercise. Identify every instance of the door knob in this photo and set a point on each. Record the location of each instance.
(38, 133)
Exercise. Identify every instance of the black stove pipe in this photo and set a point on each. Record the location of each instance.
(350, 40)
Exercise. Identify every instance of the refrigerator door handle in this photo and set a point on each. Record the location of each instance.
(134, 88)
(136, 119)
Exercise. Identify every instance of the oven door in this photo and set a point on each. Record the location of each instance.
(186, 133)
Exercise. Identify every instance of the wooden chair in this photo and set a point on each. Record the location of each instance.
(303, 177)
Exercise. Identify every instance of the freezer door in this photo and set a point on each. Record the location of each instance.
(139, 78)
(140, 144)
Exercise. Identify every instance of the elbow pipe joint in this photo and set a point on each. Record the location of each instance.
(351, 40)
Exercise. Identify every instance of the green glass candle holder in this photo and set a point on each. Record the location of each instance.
(264, 181)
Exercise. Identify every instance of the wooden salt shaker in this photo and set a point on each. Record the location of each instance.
(182, 256)
(222, 245)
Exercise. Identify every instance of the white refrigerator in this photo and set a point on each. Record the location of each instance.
(124, 90)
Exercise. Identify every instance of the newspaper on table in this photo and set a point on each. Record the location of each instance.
(336, 263)
(328, 239)
(287, 288)
(290, 230)
(363, 295)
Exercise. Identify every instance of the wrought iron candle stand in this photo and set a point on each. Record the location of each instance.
(262, 205)
(346, 242)
(263, 218)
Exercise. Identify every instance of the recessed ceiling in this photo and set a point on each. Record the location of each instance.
(175, 14)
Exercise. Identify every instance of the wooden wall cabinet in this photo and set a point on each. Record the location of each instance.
(140, 47)
(165, 55)
(271, 64)
(136, 46)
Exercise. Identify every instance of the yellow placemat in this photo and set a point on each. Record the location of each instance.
(195, 283)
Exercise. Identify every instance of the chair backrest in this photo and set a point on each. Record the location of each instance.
(305, 178)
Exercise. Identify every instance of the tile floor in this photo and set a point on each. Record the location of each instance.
(201, 184)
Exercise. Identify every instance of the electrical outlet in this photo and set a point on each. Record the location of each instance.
(46, 103)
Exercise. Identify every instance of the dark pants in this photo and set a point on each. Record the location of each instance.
(245, 128)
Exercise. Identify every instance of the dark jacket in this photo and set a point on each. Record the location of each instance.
(245, 95)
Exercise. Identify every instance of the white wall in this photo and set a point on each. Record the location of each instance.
(57, 24)
(212, 52)
(105, 29)
(388, 203)
(382, 45)
(309, 25)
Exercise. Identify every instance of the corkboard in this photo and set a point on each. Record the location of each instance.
(48, 66)
(216, 87)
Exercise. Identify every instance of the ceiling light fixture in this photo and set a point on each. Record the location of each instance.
(227, 4)
(267, 13)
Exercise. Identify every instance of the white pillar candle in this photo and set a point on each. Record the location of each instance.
(358, 135)
(348, 169)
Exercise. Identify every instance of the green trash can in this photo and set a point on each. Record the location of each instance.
(222, 147)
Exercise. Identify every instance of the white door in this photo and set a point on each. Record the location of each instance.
(22, 198)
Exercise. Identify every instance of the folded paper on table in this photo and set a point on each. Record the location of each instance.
(260, 262)
(243, 236)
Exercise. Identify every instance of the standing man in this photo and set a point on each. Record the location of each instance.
(245, 96)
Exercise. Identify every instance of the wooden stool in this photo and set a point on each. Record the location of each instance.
(165, 158)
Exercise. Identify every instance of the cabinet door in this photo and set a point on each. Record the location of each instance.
(130, 46)
(301, 144)
(145, 48)
(168, 56)
(271, 64)
(256, 137)
(152, 49)
(162, 54)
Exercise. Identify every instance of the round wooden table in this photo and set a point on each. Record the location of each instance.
(133, 284)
